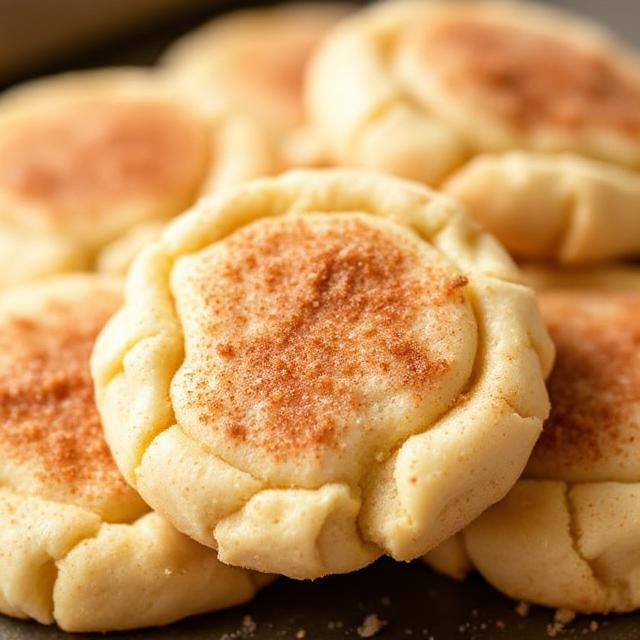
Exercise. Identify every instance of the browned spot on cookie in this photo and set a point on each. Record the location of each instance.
(77, 160)
(48, 418)
(595, 384)
(336, 303)
(532, 80)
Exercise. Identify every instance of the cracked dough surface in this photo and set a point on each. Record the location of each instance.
(445, 92)
(85, 156)
(567, 534)
(322, 368)
(255, 60)
(77, 545)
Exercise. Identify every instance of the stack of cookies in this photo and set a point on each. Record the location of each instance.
(323, 351)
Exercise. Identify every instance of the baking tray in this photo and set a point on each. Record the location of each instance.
(416, 604)
(413, 601)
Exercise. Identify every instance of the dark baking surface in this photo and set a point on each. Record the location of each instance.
(415, 602)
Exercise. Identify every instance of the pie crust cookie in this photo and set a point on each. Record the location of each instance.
(85, 156)
(416, 88)
(322, 368)
(567, 533)
(255, 61)
(77, 544)
(560, 208)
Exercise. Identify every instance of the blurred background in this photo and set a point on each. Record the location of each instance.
(45, 36)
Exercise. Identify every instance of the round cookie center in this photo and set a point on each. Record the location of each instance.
(50, 431)
(318, 339)
(279, 67)
(593, 432)
(79, 160)
(272, 69)
(529, 80)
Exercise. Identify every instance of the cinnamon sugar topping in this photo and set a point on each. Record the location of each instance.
(595, 385)
(48, 419)
(306, 314)
(79, 159)
(278, 67)
(533, 80)
(266, 66)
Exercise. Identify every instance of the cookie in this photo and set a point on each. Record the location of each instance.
(614, 277)
(416, 88)
(116, 257)
(255, 60)
(567, 534)
(322, 368)
(85, 156)
(77, 545)
(450, 558)
(26, 256)
(554, 208)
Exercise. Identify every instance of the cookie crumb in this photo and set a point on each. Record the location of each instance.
(523, 608)
(247, 630)
(593, 626)
(249, 625)
(564, 616)
(561, 619)
(500, 625)
(301, 633)
(370, 626)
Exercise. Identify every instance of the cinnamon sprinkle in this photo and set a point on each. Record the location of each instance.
(300, 312)
(595, 384)
(48, 419)
(75, 161)
(532, 80)
(278, 67)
